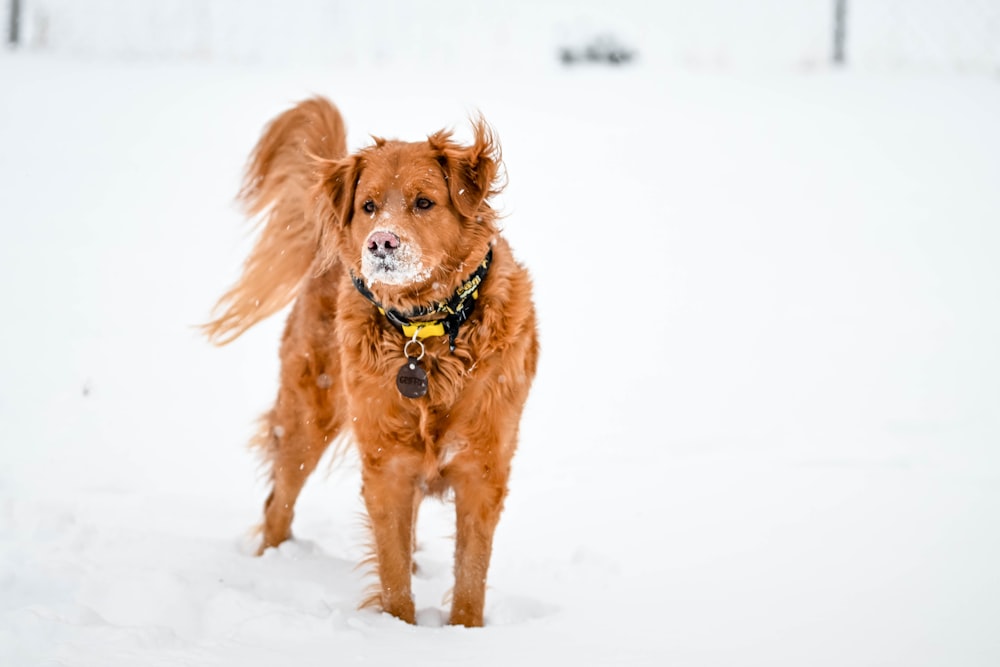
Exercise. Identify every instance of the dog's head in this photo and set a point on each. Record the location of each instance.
(411, 219)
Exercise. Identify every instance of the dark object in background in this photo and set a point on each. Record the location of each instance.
(601, 49)
(839, 31)
(13, 27)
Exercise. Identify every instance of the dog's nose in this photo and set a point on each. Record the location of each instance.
(382, 244)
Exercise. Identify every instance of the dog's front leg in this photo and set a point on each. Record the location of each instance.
(479, 494)
(389, 496)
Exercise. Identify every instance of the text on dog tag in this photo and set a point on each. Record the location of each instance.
(411, 379)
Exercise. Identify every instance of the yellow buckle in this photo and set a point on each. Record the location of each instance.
(423, 330)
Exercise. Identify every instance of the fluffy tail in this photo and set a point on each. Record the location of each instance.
(278, 179)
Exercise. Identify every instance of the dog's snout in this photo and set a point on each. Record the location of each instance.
(382, 244)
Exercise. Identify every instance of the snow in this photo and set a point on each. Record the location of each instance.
(402, 267)
(772, 440)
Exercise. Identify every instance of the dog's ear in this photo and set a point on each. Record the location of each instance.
(473, 172)
(334, 190)
(333, 193)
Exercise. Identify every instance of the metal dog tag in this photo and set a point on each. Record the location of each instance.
(411, 381)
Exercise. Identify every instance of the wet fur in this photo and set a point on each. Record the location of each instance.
(339, 356)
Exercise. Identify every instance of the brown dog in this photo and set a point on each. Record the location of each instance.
(413, 331)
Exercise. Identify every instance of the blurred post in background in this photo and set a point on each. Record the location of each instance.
(839, 31)
(13, 33)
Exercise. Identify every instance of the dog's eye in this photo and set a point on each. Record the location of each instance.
(368, 206)
(423, 203)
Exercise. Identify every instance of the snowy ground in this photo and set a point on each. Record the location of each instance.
(765, 429)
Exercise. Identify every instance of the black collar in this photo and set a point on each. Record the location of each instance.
(455, 311)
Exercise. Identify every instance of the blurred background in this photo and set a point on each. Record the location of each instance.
(951, 35)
